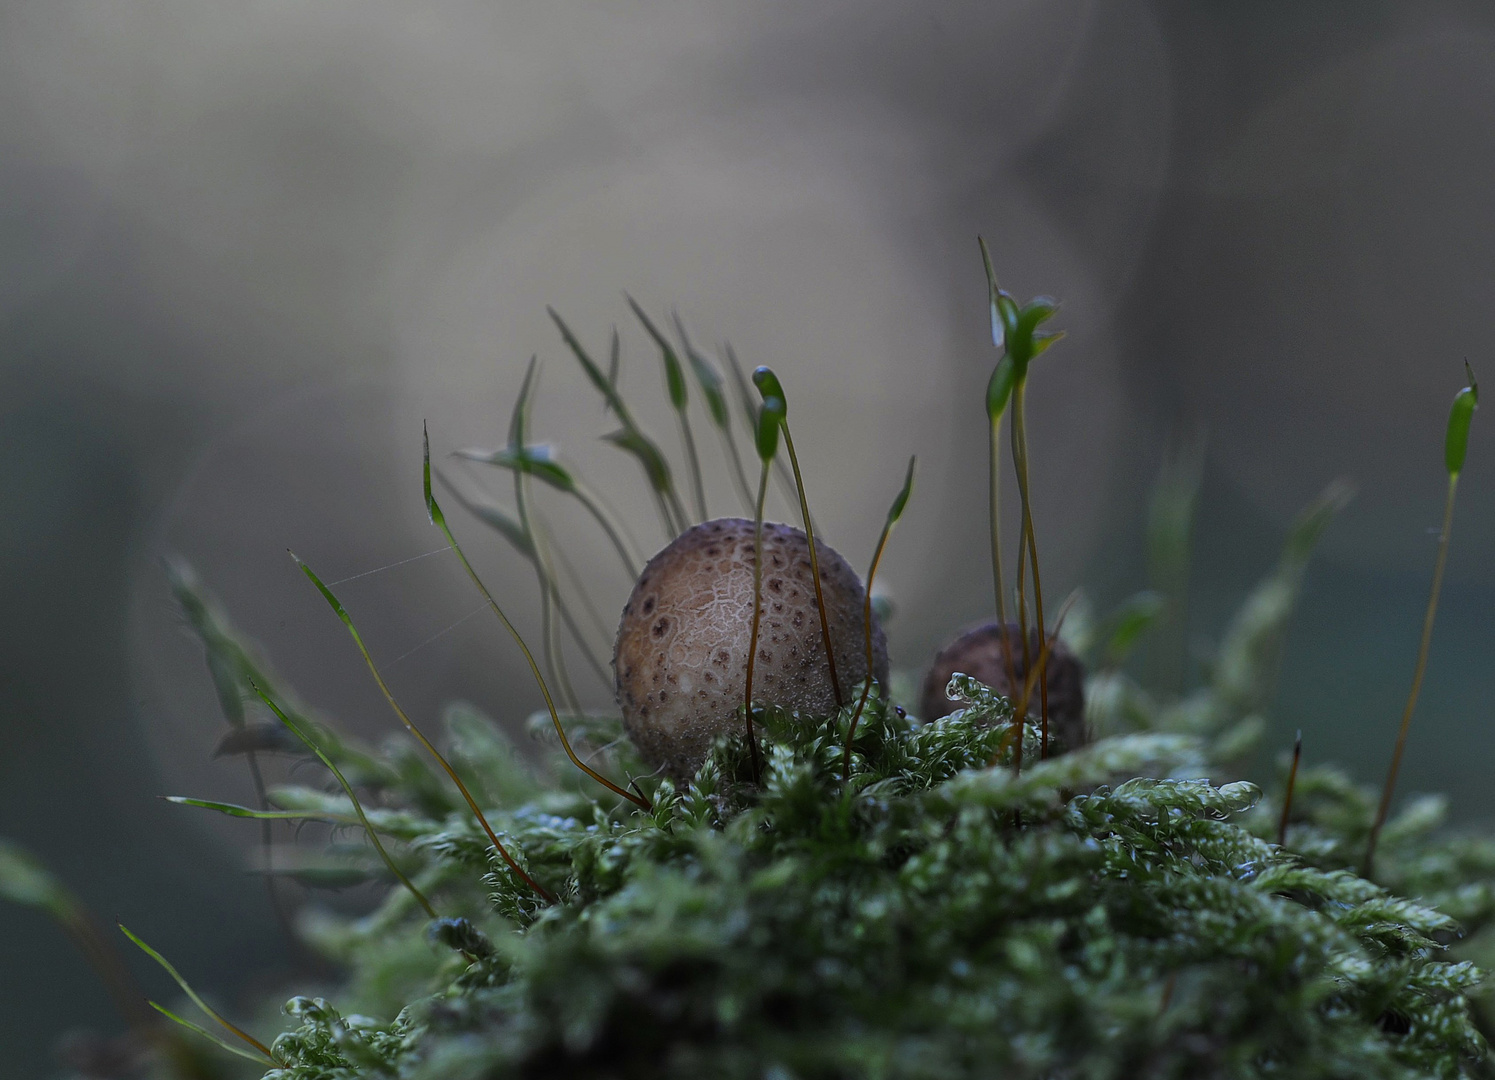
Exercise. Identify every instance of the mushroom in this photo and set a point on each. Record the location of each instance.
(681, 655)
(978, 653)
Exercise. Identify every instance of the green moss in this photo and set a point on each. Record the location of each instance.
(934, 917)
(938, 916)
(923, 910)
(1110, 913)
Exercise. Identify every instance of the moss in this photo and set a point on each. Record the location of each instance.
(935, 917)
(927, 909)
(1107, 913)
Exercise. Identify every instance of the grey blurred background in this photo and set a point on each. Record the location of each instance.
(246, 248)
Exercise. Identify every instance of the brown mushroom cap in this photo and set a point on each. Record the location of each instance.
(978, 653)
(681, 656)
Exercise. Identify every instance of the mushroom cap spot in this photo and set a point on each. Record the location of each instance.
(978, 653)
(689, 621)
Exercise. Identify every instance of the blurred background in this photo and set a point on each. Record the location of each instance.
(247, 248)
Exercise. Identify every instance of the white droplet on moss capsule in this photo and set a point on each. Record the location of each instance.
(681, 656)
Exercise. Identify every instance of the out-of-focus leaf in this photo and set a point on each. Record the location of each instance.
(588, 365)
(648, 455)
(708, 377)
(674, 374)
(186, 988)
(999, 388)
(998, 329)
(519, 417)
(24, 880)
(537, 459)
(1247, 665)
(1456, 443)
(235, 810)
(770, 420)
(1126, 625)
(900, 501)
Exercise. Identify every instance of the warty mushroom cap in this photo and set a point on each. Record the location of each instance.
(681, 654)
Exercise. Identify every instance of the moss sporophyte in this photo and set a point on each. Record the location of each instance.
(761, 865)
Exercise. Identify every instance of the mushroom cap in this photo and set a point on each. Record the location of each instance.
(681, 656)
(978, 653)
